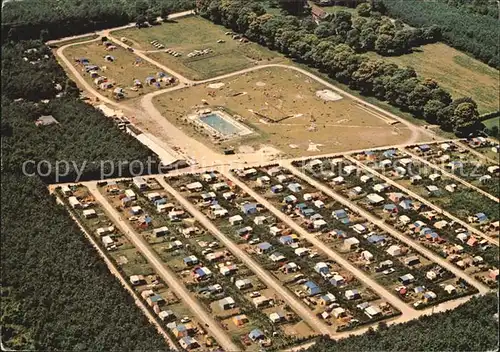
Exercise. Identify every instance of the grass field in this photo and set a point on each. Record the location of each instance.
(277, 93)
(456, 72)
(495, 121)
(121, 72)
(194, 33)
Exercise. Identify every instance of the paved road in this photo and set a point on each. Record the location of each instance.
(424, 201)
(165, 273)
(389, 229)
(449, 174)
(114, 270)
(360, 275)
(304, 312)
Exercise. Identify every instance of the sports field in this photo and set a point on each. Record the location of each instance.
(122, 71)
(456, 72)
(185, 35)
(282, 107)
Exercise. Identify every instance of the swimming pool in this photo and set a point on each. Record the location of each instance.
(220, 124)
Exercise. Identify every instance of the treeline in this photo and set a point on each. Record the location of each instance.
(401, 87)
(57, 293)
(471, 327)
(482, 7)
(370, 31)
(470, 32)
(84, 142)
(60, 18)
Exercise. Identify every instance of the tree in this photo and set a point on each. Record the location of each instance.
(44, 35)
(164, 10)
(432, 109)
(324, 30)
(368, 39)
(494, 131)
(364, 9)
(465, 118)
(293, 7)
(383, 44)
(432, 34)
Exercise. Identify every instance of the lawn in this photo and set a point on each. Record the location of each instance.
(495, 121)
(456, 72)
(311, 125)
(121, 72)
(195, 33)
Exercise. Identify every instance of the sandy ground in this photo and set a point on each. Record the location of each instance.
(310, 124)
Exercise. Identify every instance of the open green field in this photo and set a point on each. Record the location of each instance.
(121, 72)
(455, 71)
(495, 121)
(195, 33)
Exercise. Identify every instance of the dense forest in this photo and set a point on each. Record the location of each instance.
(471, 327)
(331, 48)
(482, 7)
(60, 18)
(466, 30)
(82, 136)
(57, 293)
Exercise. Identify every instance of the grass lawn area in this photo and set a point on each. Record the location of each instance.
(121, 72)
(495, 121)
(278, 93)
(195, 33)
(456, 72)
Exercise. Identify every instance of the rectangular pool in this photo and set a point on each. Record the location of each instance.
(220, 124)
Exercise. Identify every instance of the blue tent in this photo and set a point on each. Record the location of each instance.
(311, 288)
(256, 334)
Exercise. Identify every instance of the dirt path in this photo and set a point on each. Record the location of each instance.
(475, 152)
(114, 270)
(360, 275)
(424, 201)
(450, 175)
(165, 273)
(393, 232)
(271, 282)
